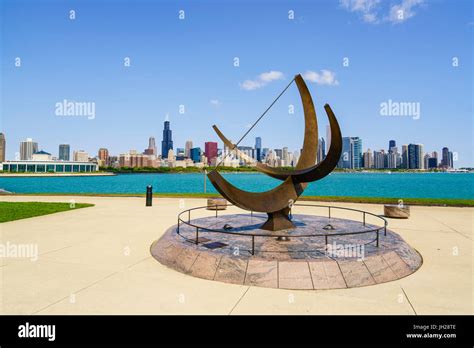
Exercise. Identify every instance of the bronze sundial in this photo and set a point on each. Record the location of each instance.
(277, 202)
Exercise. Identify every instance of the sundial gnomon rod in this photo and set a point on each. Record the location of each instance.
(258, 120)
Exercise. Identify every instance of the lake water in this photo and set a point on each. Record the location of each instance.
(405, 185)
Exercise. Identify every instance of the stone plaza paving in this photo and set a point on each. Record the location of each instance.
(97, 261)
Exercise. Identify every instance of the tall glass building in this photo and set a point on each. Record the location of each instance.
(64, 151)
(196, 154)
(415, 156)
(351, 156)
(258, 148)
(167, 143)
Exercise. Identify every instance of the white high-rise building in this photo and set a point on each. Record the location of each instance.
(284, 157)
(368, 159)
(379, 159)
(27, 149)
(80, 156)
(392, 160)
(171, 156)
(426, 161)
(328, 137)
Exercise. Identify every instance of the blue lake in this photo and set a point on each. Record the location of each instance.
(406, 185)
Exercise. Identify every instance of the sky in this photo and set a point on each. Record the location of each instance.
(355, 55)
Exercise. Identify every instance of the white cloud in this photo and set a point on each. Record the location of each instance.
(366, 8)
(271, 76)
(370, 10)
(403, 11)
(325, 77)
(262, 80)
(215, 102)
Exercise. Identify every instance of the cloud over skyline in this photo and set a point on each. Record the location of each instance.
(325, 77)
(262, 80)
(372, 11)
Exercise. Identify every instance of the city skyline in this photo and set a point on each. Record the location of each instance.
(353, 156)
(129, 88)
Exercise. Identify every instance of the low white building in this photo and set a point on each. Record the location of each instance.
(49, 167)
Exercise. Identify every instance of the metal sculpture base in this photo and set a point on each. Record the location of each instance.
(278, 221)
(303, 263)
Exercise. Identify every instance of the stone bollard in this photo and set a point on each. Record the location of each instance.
(216, 204)
(149, 195)
(396, 211)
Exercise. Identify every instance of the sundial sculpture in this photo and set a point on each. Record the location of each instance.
(277, 202)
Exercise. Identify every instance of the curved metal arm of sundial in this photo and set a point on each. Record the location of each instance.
(279, 198)
(320, 170)
(270, 201)
(310, 144)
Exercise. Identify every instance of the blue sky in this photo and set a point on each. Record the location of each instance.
(190, 62)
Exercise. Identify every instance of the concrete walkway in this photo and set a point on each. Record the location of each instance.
(97, 261)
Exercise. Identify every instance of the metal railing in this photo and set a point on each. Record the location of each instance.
(326, 236)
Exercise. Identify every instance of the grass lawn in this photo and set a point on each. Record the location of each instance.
(10, 211)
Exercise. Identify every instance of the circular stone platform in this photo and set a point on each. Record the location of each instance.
(300, 263)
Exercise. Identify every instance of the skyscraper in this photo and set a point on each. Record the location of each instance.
(167, 142)
(356, 152)
(415, 156)
(379, 159)
(284, 157)
(279, 153)
(2, 147)
(180, 152)
(27, 149)
(392, 160)
(351, 156)
(405, 163)
(321, 150)
(328, 137)
(64, 151)
(195, 154)
(187, 148)
(446, 161)
(210, 149)
(103, 156)
(151, 150)
(368, 159)
(426, 161)
(391, 144)
(258, 148)
(345, 160)
(80, 156)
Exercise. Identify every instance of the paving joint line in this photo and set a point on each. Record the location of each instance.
(240, 299)
(406, 296)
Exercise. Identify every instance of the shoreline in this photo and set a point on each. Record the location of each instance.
(387, 172)
(52, 175)
(435, 202)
